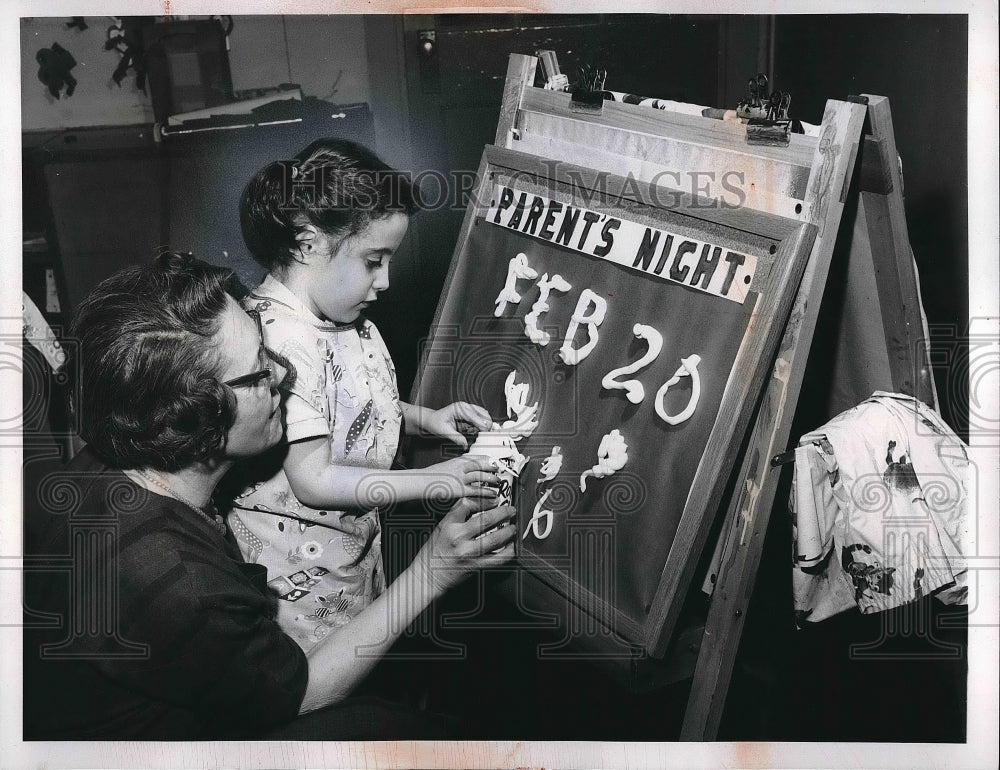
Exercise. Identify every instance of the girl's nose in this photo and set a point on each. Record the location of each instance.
(381, 282)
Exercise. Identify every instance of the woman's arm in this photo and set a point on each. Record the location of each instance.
(319, 484)
(455, 548)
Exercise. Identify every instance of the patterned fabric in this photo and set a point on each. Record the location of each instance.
(164, 631)
(324, 565)
(880, 510)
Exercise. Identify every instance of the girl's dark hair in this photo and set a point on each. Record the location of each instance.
(147, 369)
(337, 186)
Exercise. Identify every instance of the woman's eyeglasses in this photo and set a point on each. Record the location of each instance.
(249, 380)
(254, 378)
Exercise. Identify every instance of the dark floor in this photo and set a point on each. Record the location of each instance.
(899, 676)
(894, 676)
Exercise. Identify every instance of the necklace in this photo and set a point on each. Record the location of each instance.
(215, 520)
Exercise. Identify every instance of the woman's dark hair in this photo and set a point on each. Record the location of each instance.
(147, 369)
(337, 186)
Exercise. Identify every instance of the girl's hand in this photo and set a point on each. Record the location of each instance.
(452, 421)
(465, 476)
(457, 546)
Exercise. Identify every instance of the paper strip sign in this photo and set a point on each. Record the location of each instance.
(681, 259)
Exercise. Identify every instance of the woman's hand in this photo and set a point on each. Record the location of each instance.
(468, 538)
(453, 421)
(465, 476)
(456, 547)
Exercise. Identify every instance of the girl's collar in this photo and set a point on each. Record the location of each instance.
(273, 288)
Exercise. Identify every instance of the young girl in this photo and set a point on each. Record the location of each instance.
(326, 226)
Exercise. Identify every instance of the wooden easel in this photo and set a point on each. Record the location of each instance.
(879, 245)
(807, 182)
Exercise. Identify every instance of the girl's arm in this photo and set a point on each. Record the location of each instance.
(319, 484)
(455, 548)
(446, 422)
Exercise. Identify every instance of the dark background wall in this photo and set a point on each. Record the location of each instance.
(920, 63)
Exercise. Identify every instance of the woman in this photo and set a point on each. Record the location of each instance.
(164, 631)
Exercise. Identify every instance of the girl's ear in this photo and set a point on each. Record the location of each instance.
(307, 239)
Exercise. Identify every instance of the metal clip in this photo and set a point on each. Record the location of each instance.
(587, 95)
(766, 115)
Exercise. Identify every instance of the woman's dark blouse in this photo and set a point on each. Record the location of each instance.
(143, 621)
